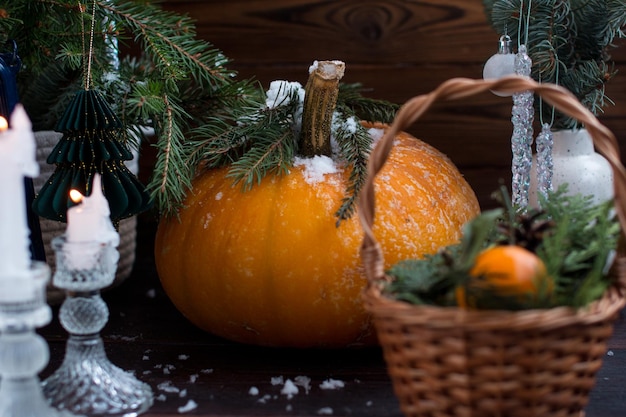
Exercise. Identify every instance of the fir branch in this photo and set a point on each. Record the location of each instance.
(616, 20)
(172, 179)
(355, 144)
(368, 109)
(217, 143)
(172, 43)
(568, 42)
(254, 141)
(429, 281)
(353, 139)
(578, 248)
(178, 82)
(272, 154)
(202, 116)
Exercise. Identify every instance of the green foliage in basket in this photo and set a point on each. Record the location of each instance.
(575, 239)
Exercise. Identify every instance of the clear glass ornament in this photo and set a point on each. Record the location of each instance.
(545, 163)
(501, 63)
(522, 117)
(23, 353)
(87, 382)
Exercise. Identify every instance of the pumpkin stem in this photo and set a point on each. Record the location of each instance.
(320, 99)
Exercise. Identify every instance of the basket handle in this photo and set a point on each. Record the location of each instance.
(456, 88)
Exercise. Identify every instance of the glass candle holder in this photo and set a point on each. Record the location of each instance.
(87, 382)
(23, 353)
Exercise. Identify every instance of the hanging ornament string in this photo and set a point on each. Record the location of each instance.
(544, 144)
(522, 118)
(89, 54)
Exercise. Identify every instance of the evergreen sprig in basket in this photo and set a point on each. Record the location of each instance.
(450, 361)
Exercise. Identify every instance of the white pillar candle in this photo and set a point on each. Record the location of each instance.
(18, 289)
(88, 221)
(17, 160)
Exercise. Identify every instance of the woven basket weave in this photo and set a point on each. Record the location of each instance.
(46, 141)
(447, 361)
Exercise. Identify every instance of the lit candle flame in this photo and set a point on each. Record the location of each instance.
(4, 125)
(76, 196)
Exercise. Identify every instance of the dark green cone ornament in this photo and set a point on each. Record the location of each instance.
(90, 144)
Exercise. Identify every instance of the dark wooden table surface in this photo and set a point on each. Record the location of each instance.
(186, 367)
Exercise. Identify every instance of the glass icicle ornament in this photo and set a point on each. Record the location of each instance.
(545, 164)
(501, 63)
(522, 138)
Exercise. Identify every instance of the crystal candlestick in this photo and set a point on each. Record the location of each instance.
(87, 382)
(23, 353)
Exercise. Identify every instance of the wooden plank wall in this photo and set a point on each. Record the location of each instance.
(396, 48)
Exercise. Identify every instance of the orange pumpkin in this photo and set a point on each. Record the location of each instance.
(269, 266)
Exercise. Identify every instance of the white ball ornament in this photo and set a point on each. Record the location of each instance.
(500, 64)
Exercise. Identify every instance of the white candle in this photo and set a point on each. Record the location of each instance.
(17, 160)
(88, 221)
(20, 289)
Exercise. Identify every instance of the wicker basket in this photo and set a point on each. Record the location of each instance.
(446, 361)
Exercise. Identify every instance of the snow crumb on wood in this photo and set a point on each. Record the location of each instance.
(264, 399)
(191, 405)
(277, 380)
(161, 397)
(325, 411)
(183, 357)
(289, 389)
(124, 338)
(304, 382)
(193, 378)
(168, 387)
(207, 371)
(332, 384)
(167, 369)
(253, 391)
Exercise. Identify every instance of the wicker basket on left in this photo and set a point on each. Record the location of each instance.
(452, 362)
(46, 141)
